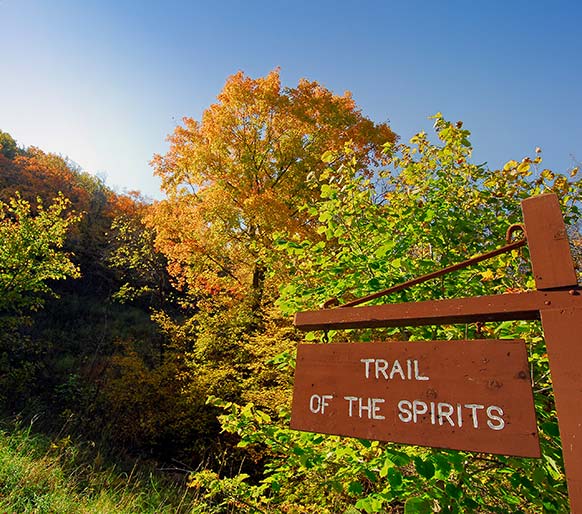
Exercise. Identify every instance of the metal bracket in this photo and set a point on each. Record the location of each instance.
(334, 302)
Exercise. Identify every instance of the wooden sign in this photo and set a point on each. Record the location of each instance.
(463, 395)
(557, 301)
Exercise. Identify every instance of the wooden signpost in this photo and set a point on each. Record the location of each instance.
(469, 395)
(465, 395)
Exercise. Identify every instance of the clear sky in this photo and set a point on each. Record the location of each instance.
(105, 81)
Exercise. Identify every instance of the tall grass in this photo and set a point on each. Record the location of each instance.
(40, 475)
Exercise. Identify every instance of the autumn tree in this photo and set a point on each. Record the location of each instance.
(233, 180)
(31, 254)
(239, 175)
(34, 173)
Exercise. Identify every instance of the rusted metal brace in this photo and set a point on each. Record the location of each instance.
(334, 302)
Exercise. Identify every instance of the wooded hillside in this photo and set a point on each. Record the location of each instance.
(163, 330)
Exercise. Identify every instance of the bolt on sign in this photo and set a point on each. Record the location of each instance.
(464, 395)
(467, 395)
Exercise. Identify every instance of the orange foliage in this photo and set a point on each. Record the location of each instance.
(38, 174)
(239, 175)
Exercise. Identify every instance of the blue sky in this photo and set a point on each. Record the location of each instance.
(104, 82)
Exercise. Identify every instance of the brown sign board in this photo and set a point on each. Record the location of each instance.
(463, 395)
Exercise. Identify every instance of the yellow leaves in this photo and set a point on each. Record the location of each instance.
(239, 88)
(202, 479)
(438, 120)
(418, 138)
(487, 275)
(520, 168)
(389, 147)
(328, 157)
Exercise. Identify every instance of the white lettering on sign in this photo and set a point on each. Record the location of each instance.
(381, 368)
(495, 421)
(416, 411)
(442, 413)
(317, 403)
(474, 407)
(357, 406)
(474, 415)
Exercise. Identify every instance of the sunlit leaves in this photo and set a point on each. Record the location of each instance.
(240, 174)
(139, 264)
(431, 207)
(31, 254)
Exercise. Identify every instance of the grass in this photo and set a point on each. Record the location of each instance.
(40, 475)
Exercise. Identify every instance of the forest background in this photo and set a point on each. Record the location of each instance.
(161, 330)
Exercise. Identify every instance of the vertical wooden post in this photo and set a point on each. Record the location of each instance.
(547, 240)
(563, 334)
(553, 268)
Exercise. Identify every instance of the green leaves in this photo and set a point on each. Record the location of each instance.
(369, 504)
(425, 468)
(430, 208)
(417, 505)
(31, 252)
